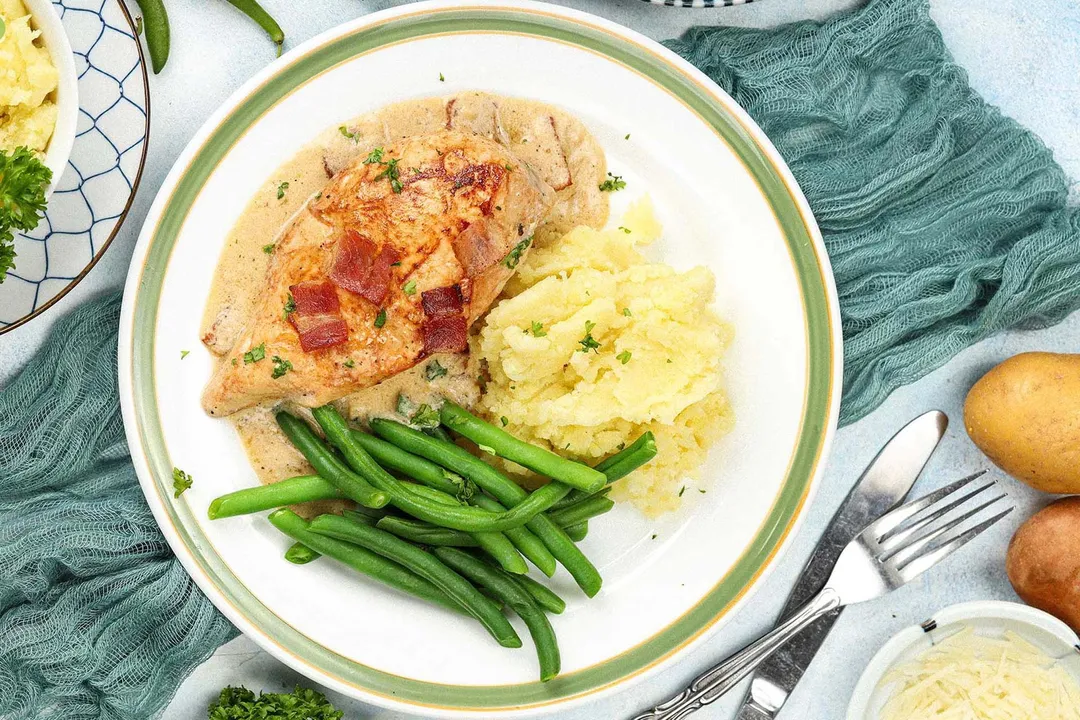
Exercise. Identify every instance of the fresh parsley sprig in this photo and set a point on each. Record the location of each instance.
(239, 703)
(23, 179)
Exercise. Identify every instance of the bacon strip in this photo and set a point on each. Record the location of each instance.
(317, 317)
(362, 268)
(442, 301)
(445, 333)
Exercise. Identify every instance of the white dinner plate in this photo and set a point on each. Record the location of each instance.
(726, 201)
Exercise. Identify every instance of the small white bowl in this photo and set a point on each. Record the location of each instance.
(55, 40)
(987, 617)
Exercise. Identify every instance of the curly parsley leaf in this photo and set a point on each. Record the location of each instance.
(588, 342)
(434, 370)
(239, 703)
(613, 183)
(425, 417)
(23, 179)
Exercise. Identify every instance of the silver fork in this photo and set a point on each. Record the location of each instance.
(891, 552)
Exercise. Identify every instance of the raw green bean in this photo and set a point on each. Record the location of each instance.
(542, 594)
(465, 518)
(363, 561)
(547, 649)
(426, 566)
(256, 12)
(327, 465)
(584, 510)
(425, 533)
(300, 554)
(577, 532)
(622, 463)
(395, 458)
(156, 30)
(505, 445)
(293, 491)
(505, 490)
(529, 545)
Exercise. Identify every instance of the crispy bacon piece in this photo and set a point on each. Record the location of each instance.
(442, 301)
(362, 268)
(475, 249)
(317, 317)
(445, 333)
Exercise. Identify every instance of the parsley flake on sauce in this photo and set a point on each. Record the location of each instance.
(537, 329)
(345, 132)
(623, 357)
(255, 354)
(514, 256)
(184, 354)
(281, 188)
(588, 342)
(625, 229)
(613, 183)
(281, 366)
(626, 312)
(425, 416)
(350, 363)
(375, 156)
(181, 481)
(269, 249)
(380, 319)
(434, 370)
(409, 288)
(290, 305)
(504, 421)
(392, 174)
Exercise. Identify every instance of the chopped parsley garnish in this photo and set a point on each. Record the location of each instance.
(441, 78)
(654, 536)
(425, 416)
(181, 481)
(627, 136)
(239, 703)
(396, 264)
(514, 256)
(537, 329)
(391, 173)
(504, 421)
(404, 405)
(669, 361)
(184, 354)
(290, 305)
(281, 366)
(465, 488)
(409, 288)
(588, 342)
(345, 131)
(268, 249)
(620, 446)
(281, 188)
(623, 357)
(682, 490)
(625, 229)
(350, 363)
(508, 167)
(138, 27)
(255, 354)
(380, 319)
(23, 179)
(234, 362)
(434, 370)
(613, 183)
(701, 490)
(626, 312)
(375, 156)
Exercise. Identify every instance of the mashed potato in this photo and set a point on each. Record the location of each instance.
(594, 345)
(27, 78)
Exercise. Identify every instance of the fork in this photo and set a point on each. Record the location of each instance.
(891, 552)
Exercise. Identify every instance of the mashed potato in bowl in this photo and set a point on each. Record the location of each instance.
(28, 80)
(594, 345)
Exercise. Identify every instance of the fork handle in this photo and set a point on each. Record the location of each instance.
(714, 682)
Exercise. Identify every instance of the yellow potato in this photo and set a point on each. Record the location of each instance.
(1043, 563)
(1025, 415)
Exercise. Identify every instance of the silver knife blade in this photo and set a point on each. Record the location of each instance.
(882, 486)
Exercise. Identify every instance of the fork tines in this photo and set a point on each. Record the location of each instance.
(917, 535)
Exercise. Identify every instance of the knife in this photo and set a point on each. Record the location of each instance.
(882, 486)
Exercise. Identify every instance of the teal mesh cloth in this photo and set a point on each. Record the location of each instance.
(945, 222)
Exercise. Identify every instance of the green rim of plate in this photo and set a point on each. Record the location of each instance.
(807, 267)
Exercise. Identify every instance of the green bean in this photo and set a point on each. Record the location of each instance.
(293, 491)
(372, 515)
(529, 545)
(439, 432)
(464, 518)
(575, 497)
(363, 561)
(505, 490)
(547, 649)
(300, 554)
(424, 565)
(577, 532)
(395, 458)
(505, 445)
(542, 594)
(256, 12)
(622, 463)
(425, 533)
(584, 510)
(156, 30)
(327, 464)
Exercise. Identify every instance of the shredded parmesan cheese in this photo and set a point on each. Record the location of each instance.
(972, 677)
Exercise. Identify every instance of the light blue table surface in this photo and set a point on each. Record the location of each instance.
(1022, 55)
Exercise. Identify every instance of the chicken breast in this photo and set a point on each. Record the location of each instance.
(392, 262)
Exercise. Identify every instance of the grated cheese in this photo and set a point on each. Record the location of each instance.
(972, 677)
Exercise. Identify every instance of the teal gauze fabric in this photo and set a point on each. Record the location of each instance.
(945, 222)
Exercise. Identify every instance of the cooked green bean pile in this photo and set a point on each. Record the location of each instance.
(446, 527)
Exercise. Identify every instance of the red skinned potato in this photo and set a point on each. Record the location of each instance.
(1043, 562)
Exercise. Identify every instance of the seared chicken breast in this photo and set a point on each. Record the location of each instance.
(392, 262)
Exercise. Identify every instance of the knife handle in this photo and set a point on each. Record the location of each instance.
(714, 682)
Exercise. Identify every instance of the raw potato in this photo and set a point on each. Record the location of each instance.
(1043, 562)
(1025, 415)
